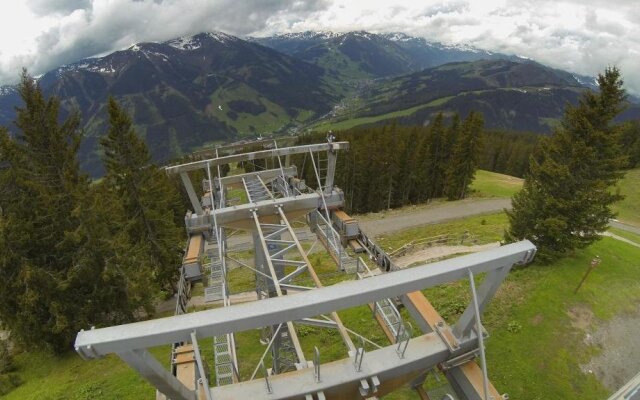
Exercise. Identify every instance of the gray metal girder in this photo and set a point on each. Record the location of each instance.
(193, 197)
(233, 146)
(229, 216)
(342, 379)
(242, 317)
(488, 289)
(147, 366)
(264, 175)
(257, 155)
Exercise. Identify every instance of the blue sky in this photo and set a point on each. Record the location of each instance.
(580, 36)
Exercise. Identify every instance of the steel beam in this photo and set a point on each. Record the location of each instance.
(266, 175)
(257, 155)
(487, 290)
(332, 157)
(467, 382)
(150, 369)
(242, 317)
(241, 216)
(233, 146)
(340, 379)
(193, 197)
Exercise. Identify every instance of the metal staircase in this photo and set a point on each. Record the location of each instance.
(389, 315)
(331, 241)
(256, 189)
(223, 358)
(385, 309)
(216, 289)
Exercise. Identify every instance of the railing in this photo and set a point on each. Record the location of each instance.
(433, 241)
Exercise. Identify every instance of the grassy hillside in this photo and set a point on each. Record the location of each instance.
(491, 184)
(629, 209)
(46, 377)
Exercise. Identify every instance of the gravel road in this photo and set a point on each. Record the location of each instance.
(395, 220)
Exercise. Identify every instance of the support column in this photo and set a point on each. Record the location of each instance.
(150, 369)
(332, 157)
(487, 290)
(195, 203)
(466, 381)
(259, 263)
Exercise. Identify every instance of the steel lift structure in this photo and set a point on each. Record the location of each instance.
(275, 197)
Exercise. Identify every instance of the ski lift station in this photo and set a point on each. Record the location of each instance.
(269, 213)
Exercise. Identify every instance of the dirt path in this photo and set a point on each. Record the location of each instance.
(375, 224)
(625, 227)
(440, 251)
(620, 238)
(619, 357)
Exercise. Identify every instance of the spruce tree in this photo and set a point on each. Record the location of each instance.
(49, 289)
(437, 157)
(147, 198)
(465, 158)
(566, 198)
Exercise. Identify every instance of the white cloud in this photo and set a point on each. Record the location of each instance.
(583, 36)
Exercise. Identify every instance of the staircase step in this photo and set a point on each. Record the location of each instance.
(212, 293)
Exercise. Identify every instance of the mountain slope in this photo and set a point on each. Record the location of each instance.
(358, 55)
(511, 95)
(187, 91)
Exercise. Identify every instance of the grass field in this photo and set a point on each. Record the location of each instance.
(350, 123)
(625, 234)
(492, 184)
(629, 209)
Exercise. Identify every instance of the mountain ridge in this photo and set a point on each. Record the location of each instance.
(211, 87)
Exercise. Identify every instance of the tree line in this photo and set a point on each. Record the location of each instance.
(393, 165)
(76, 253)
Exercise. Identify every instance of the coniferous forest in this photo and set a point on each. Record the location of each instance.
(392, 166)
(76, 253)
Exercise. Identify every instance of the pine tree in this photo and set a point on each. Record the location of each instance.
(49, 289)
(465, 157)
(437, 157)
(565, 201)
(147, 197)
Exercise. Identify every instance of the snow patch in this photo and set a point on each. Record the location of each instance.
(190, 43)
(5, 90)
(308, 35)
(586, 80)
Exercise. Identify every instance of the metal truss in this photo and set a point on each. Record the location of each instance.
(426, 350)
(286, 299)
(284, 151)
